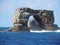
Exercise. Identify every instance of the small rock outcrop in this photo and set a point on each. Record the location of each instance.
(45, 19)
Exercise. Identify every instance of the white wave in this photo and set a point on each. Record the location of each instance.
(37, 31)
(43, 31)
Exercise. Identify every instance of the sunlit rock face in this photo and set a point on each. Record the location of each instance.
(21, 17)
(43, 19)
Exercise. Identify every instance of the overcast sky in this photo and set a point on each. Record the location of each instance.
(7, 8)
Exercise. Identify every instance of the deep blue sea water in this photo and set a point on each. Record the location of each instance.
(4, 28)
(29, 38)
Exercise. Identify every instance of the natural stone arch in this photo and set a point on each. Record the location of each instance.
(45, 19)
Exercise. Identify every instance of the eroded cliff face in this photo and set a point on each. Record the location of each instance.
(44, 18)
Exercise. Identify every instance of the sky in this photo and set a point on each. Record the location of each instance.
(8, 7)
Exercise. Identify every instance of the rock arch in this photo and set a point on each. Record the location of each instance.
(45, 19)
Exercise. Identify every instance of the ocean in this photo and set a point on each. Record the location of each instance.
(4, 28)
(29, 38)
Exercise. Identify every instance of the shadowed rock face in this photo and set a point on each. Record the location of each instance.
(44, 18)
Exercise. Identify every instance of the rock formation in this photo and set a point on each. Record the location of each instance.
(33, 24)
(45, 19)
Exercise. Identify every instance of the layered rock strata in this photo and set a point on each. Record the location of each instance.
(44, 18)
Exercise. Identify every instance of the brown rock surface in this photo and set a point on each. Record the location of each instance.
(45, 19)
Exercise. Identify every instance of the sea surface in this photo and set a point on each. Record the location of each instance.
(29, 38)
(5, 28)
